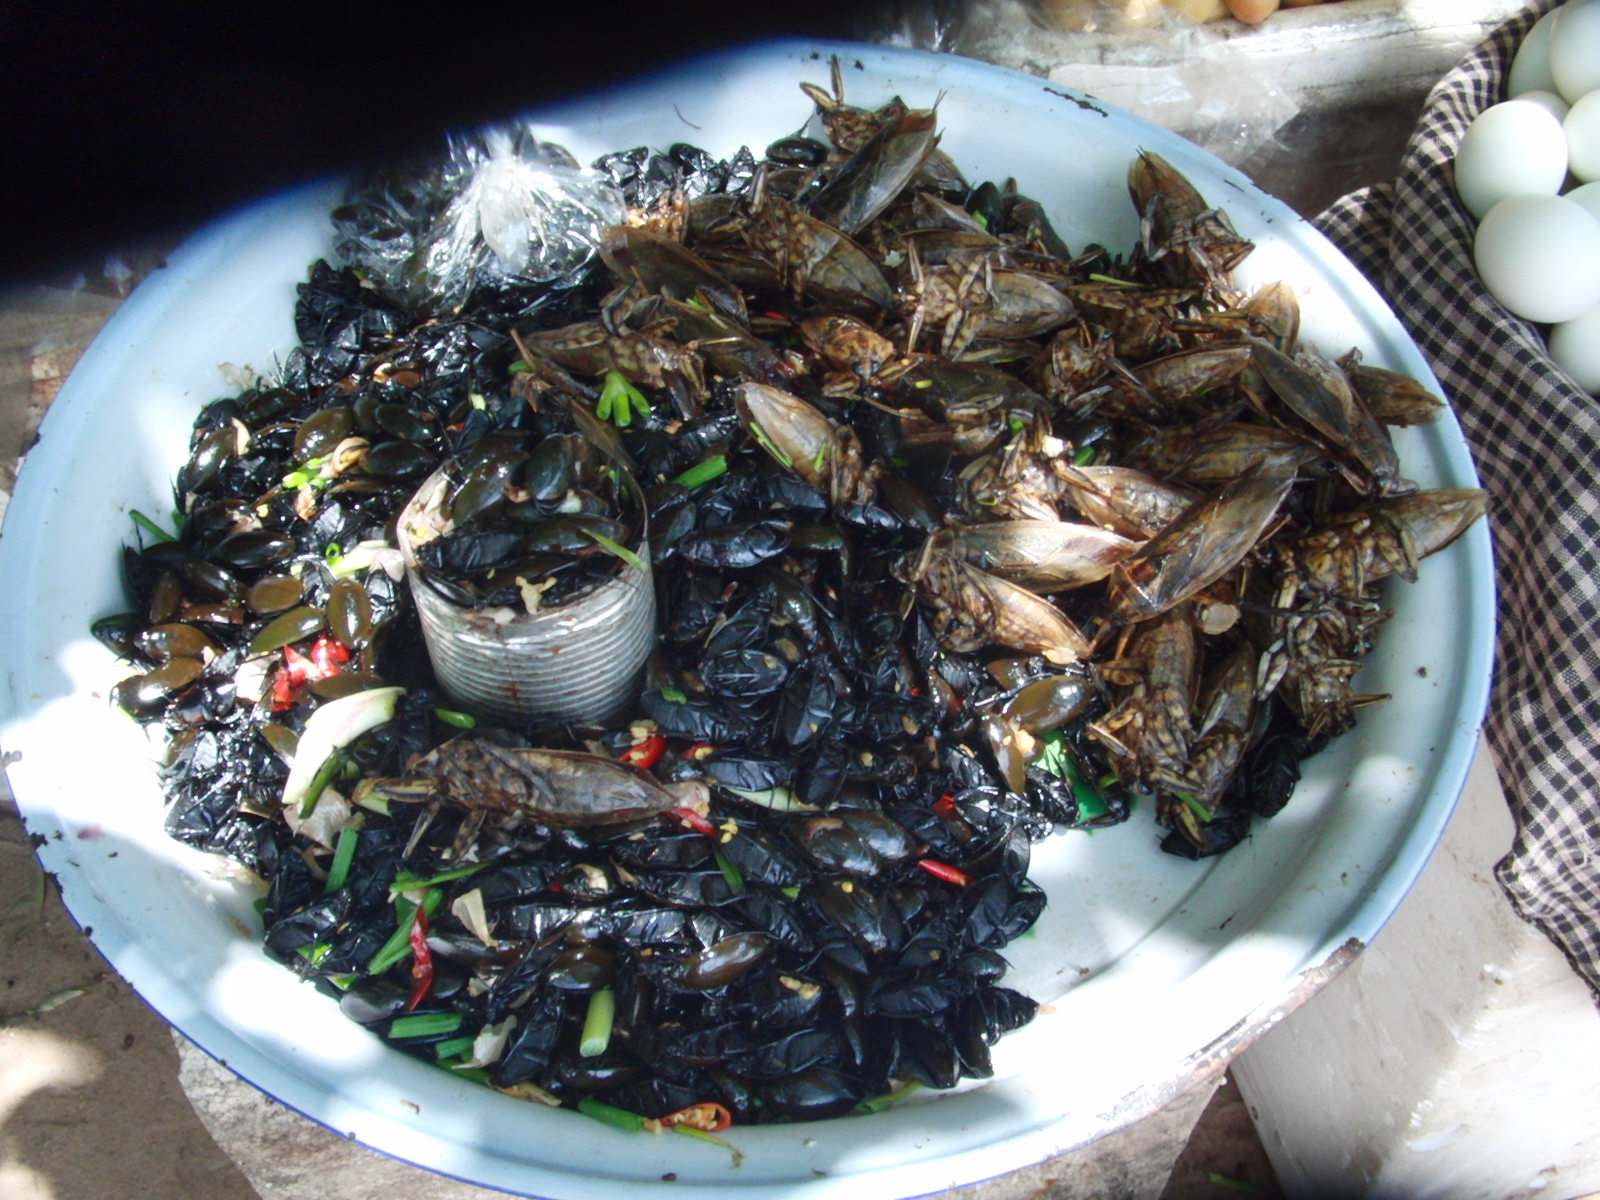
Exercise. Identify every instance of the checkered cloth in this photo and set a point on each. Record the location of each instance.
(1536, 439)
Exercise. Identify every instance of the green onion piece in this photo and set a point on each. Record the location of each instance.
(477, 401)
(597, 1023)
(879, 1103)
(404, 882)
(770, 446)
(344, 853)
(1053, 756)
(778, 799)
(1017, 424)
(150, 527)
(821, 460)
(674, 695)
(331, 766)
(1084, 455)
(398, 947)
(519, 368)
(696, 302)
(371, 801)
(1091, 805)
(790, 892)
(703, 471)
(315, 953)
(359, 557)
(399, 943)
(617, 1118)
(1199, 810)
(922, 384)
(983, 221)
(453, 1047)
(460, 720)
(309, 471)
(617, 548)
(618, 400)
(425, 1024)
(729, 872)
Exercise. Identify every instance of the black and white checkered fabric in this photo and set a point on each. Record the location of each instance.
(1536, 439)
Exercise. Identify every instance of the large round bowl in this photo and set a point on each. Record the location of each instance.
(1149, 968)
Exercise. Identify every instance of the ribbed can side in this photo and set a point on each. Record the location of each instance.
(580, 661)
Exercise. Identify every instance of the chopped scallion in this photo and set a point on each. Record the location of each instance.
(770, 446)
(616, 548)
(1199, 810)
(331, 766)
(150, 527)
(399, 944)
(617, 1118)
(879, 1103)
(425, 1024)
(597, 1023)
(619, 398)
(460, 720)
(703, 471)
(404, 882)
(453, 1047)
(344, 853)
(729, 872)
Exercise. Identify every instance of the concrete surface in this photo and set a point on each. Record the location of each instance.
(1457, 1058)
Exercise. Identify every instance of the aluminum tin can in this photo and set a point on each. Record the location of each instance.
(580, 661)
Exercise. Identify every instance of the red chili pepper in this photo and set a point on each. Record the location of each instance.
(282, 691)
(945, 805)
(422, 959)
(297, 665)
(699, 751)
(709, 1117)
(944, 871)
(328, 654)
(645, 754)
(695, 821)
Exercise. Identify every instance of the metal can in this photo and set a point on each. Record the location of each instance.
(580, 661)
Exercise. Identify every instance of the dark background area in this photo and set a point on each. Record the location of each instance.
(123, 122)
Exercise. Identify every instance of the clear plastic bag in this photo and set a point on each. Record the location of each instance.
(499, 209)
(1196, 79)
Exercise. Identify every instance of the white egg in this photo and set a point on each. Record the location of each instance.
(1540, 257)
(1588, 195)
(1557, 106)
(1582, 128)
(1575, 48)
(1575, 346)
(1510, 149)
(1530, 69)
